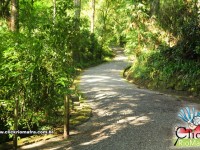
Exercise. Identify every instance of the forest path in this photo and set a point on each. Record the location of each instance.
(124, 116)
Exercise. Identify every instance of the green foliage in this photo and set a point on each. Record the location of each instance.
(166, 45)
(108, 27)
(185, 27)
(38, 65)
(155, 70)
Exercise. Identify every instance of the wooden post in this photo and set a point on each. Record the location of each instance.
(15, 123)
(66, 117)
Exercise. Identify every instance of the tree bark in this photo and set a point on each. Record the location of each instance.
(77, 5)
(54, 11)
(77, 14)
(14, 24)
(93, 16)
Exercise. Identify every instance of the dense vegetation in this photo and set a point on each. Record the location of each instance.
(164, 36)
(51, 40)
(39, 60)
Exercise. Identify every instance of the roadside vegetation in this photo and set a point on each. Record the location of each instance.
(44, 44)
(164, 39)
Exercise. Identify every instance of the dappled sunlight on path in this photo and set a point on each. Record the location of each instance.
(124, 117)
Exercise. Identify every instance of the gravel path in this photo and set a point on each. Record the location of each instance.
(124, 116)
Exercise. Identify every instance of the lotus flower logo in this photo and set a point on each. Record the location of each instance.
(192, 117)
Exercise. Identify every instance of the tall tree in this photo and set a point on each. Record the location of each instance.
(93, 16)
(54, 11)
(14, 26)
(77, 14)
(77, 5)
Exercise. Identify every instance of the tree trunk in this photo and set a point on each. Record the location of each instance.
(77, 5)
(14, 24)
(93, 16)
(54, 11)
(77, 14)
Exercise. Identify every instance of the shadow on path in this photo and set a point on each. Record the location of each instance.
(124, 117)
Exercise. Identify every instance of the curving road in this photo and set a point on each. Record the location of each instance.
(124, 116)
